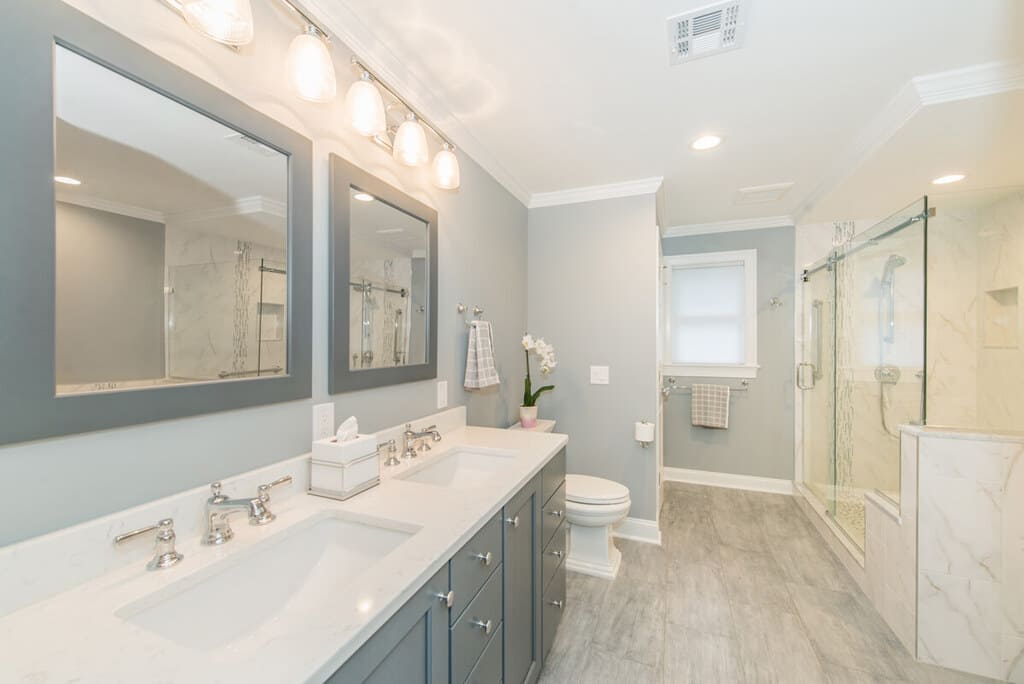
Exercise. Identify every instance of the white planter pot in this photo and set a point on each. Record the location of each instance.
(528, 416)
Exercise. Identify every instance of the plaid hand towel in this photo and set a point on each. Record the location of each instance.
(480, 370)
(709, 406)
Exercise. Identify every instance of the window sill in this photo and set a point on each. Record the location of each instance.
(709, 371)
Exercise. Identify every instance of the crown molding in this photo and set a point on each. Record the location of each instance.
(348, 28)
(980, 80)
(590, 193)
(728, 226)
(111, 207)
(256, 204)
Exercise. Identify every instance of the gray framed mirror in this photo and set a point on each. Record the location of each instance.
(383, 274)
(157, 242)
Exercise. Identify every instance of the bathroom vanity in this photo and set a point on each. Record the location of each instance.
(451, 570)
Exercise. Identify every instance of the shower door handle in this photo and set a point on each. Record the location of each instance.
(800, 375)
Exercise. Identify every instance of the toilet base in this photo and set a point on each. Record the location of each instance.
(591, 551)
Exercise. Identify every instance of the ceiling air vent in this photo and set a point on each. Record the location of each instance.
(706, 31)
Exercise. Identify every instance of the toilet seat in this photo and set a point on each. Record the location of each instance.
(594, 491)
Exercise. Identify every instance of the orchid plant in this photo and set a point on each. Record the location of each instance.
(546, 353)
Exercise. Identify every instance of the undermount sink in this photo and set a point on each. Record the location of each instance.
(234, 597)
(460, 468)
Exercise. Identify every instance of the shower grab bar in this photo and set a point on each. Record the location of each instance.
(367, 286)
(816, 307)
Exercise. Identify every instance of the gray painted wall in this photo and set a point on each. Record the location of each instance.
(104, 258)
(593, 295)
(759, 440)
(482, 256)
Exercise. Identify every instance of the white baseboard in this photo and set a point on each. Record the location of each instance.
(728, 480)
(639, 529)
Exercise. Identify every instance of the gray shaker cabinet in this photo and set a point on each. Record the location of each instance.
(522, 585)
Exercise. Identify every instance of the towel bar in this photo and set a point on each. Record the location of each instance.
(671, 386)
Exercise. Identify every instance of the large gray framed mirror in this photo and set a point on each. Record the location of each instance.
(157, 240)
(383, 294)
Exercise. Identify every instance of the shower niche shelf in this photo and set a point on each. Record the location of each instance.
(1000, 318)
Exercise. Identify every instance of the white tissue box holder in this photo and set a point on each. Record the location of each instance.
(340, 470)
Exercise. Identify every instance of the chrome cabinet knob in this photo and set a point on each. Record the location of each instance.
(447, 599)
(486, 625)
(484, 558)
(557, 604)
(557, 514)
(514, 521)
(557, 554)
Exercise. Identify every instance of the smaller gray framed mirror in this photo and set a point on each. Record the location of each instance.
(383, 288)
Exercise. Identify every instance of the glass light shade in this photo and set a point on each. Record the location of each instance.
(364, 108)
(311, 69)
(226, 21)
(410, 146)
(446, 169)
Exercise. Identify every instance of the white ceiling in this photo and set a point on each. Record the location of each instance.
(552, 96)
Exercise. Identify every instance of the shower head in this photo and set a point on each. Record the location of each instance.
(894, 261)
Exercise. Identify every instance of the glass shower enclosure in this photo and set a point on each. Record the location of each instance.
(861, 371)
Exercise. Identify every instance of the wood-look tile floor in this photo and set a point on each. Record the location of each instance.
(743, 589)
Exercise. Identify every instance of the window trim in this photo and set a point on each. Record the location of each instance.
(748, 259)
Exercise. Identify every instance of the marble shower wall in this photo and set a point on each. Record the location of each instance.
(215, 317)
(971, 552)
(373, 318)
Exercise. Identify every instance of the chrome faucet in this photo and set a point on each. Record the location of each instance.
(164, 555)
(220, 507)
(411, 436)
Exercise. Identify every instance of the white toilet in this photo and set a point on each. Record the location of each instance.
(593, 506)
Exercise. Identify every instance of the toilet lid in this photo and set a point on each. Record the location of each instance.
(594, 490)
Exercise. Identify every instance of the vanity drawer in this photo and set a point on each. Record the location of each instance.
(473, 564)
(554, 555)
(552, 515)
(469, 636)
(552, 476)
(488, 668)
(551, 611)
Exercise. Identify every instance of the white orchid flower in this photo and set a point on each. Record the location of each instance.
(528, 342)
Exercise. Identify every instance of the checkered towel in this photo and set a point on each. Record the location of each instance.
(480, 370)
(709, 406)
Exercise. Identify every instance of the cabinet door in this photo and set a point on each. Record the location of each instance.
(522, 585)
(411, 648)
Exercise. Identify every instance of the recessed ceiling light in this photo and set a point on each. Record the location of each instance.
(951, 178)
(363, 197)
(67, 180)
(706, 142)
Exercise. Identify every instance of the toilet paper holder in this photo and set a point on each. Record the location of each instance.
(643, 432)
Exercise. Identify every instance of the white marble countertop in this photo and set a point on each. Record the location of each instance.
(975, 434)
(76, 636)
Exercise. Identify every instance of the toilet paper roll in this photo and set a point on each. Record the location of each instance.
(644, 432)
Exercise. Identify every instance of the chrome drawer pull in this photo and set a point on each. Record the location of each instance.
(557, 604)
(514, 522)
(484, 558)
(447, 599)
(557, 554)
(485, 625)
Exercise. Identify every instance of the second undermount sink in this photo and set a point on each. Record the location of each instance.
(233, 597)
(460, 468)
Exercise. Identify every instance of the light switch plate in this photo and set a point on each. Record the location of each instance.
(599, 375)
(442, 394)
(323, 421)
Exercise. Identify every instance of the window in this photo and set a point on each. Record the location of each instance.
(711, 314)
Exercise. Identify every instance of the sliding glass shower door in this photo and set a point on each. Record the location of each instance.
(862, 371)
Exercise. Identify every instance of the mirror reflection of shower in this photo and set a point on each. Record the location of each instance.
(887, 375)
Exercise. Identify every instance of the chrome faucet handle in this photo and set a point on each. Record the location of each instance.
(424, 445)
(264, 489)
(392, 459)
(165, 555)
(216, 495)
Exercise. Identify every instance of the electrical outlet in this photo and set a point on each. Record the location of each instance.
(323, 421)
(442, 394)
(599, 375)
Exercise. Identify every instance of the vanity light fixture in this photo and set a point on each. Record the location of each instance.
(225, 21)
(446, 168)
(410, 144)
(310, 67)
(364, 107)
(363, 196)
(706, 142)
(950, 178)
(67, 180)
